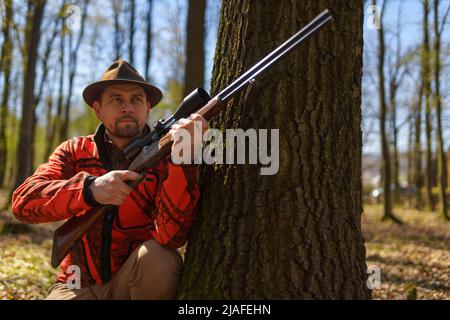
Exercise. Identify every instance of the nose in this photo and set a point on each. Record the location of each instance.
(127, 107)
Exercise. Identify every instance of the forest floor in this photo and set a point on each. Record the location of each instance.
(413, 258)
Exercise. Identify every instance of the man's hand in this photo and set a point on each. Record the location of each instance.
(111, 187)
(194, 122)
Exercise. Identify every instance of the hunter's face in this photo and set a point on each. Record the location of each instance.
(123, 109)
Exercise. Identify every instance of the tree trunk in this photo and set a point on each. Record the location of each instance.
(195, 53)
(14, 128)
(132, 31)
(295, 234)
(418, 180)
(410, 164)
(73, 60)
(6, 58)
(386, 162)
(54, 134)
(427, 93)
(442, 168)
(45, 60)
(118, 37)
(148, 43)
(395, 164)
(26, 135)
(49, 133)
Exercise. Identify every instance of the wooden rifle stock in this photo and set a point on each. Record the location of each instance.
(73, 229)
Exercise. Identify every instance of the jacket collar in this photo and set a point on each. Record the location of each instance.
(101, 146)
(100, 143)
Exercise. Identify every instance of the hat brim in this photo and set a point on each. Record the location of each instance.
(92, 91)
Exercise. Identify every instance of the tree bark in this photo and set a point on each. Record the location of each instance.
(418, 176)
(195, 52)
(73, 61)
(442, 163)
(295, 234)
(427, 94)
(54, 132)
(118, 34)
(132, 31)
(26, 135)
(410, 164)
(395, 164)
(148, 43)
(6, 58)
(386, 161)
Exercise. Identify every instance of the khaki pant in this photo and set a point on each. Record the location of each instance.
(150, 272)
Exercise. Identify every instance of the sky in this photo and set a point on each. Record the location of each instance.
(410, 18)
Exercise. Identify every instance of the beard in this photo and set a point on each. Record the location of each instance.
(128, 129)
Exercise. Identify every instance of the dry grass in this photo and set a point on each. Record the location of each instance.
(414, 258)
(25, 271)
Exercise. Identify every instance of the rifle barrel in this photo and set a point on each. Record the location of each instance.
(276, 54)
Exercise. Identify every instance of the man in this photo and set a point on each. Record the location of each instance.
(131, 252)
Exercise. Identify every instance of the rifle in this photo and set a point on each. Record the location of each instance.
(151, 149)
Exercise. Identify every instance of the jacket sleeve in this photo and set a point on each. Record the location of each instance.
(54, 192)
(176, 203)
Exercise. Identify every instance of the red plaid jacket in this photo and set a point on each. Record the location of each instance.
(162, 207)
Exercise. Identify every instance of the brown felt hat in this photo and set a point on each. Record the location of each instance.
(121, 72)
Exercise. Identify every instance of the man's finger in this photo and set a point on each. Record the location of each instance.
(196, 116)
(182, 121)
(125, 175)
(120, 198)
(123, 188)
(116, 202)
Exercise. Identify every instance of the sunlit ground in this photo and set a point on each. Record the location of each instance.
(414, 258)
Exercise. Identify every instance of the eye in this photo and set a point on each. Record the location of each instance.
(137, 100)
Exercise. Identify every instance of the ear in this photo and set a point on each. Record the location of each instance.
(96, 106)
(149, 106)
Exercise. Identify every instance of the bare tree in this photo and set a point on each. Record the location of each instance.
(54, 127)
(410, 158)
(397, 71)
(26, 134)
(118, 32)
(5, 66)
(132, 31)
(73, 61)
(426, 76)
(149, 38)
(45, 59)
(442, 163)
(418, 176)
(386, 161)
(195, 52)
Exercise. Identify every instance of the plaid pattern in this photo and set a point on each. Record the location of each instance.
(162, 207)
